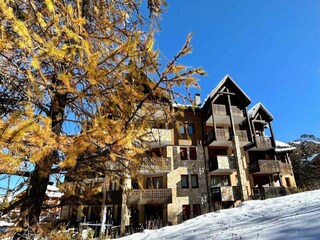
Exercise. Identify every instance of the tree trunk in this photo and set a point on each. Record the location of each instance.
(31, 208)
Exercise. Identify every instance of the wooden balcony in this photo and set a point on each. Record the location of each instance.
(156, 165)
(225, 193)
(237, 112)
(242, 134)
(270, 167)
(222, 164)
(223, 135)
(150, 196)
(220, 109)
(263, 142)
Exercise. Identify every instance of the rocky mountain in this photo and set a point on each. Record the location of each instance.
(306, 145)
(307, 138)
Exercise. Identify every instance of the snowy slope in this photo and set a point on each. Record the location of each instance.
(295, 216)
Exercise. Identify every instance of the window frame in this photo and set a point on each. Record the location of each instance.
(186, 176)
(191, 156)
(182, 156)
(195, 176)
(182, 130)
(190, 126)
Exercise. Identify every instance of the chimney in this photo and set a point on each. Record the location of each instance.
(197, 100)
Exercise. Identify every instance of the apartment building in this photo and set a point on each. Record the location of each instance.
(214, 156)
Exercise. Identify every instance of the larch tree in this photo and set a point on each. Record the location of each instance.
(80, 83)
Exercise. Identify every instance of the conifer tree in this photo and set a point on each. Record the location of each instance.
(80, 83)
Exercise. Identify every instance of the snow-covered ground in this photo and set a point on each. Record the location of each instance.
(295, 216)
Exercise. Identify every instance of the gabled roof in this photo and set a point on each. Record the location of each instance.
(225, 80)
(254, 110)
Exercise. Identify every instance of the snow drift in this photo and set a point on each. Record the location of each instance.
(290, 217)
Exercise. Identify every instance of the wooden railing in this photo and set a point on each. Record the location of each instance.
(222, 134)
(270, 166)
(220, 109)
(236, 111)
(242, 135)
(263, 142)
(156, 164)
(150, 196)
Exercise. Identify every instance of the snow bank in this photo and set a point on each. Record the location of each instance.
(291, 217)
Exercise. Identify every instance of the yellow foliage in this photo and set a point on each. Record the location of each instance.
(84, 78)
(50, 5)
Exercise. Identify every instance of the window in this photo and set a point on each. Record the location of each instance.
(196, 210)
(181, 129)
(184, 153)
(194, 181)
(135, 184)
(218, 181)
(193, 153)
(190, 129)
(154, 183)
(184, 181)
(185, 212)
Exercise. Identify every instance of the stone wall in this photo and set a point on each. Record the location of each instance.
(186, 196)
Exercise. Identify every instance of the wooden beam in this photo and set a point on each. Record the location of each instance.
(227, 93)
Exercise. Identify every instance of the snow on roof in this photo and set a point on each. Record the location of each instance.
(283, 147)
(253, 111)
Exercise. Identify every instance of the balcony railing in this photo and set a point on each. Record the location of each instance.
(263, 142)
(242, 135)
(225, 193)
(270, 192)
(222, 163)
(150, 196)
(236, 112)
(220, 109)
(269, 167)
(222, 134)
(156, 164)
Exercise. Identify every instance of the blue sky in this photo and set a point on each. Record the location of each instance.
(270, 48)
